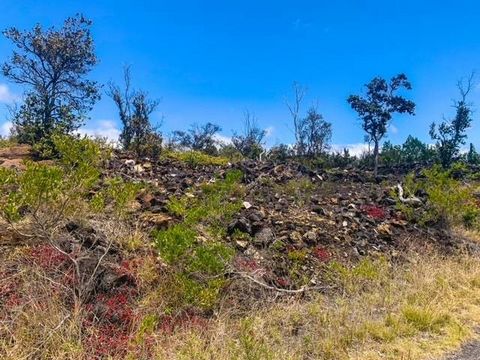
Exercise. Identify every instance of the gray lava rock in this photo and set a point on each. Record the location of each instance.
(240, 224)
(264, 237)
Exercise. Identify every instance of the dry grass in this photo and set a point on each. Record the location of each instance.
(34, 321)
(414, 311)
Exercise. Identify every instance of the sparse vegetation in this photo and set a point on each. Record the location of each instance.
(196, 248)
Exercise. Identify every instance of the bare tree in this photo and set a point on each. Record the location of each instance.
(294, 107)
(134, 108)
(250, 143)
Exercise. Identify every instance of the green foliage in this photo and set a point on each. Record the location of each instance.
(376, 108)
(413, 150)
(230, 152)
(339, 159)
(52, 189)
(38, 186)
(473, 157)
(134, 108)
(199, 138)
(451, 134)
(52, 64)
(391, 154)
(449, 201)
(299, 190)
(250, 142)
(194, 246)
(7, 142)
(425, 320)
(313, 134)
(410, 152)
(196, 158)
(117, 192)
(351, 279)
(280, 153)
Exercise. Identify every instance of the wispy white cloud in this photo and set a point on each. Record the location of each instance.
(5, 128)
(354, 149)
(269, 131)
(393, 129)
(6, 95)
(102, 128)
(223, 139)
(299, 24)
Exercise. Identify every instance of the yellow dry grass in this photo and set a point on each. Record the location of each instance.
(418, 310)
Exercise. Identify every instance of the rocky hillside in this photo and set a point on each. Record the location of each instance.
(178, 241)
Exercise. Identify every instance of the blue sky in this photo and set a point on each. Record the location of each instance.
(211, 60)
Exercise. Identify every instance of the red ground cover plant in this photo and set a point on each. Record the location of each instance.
(283, 282)
(245, 264)
(374, 211)
(47, 257)
(10, 296)
(321, 254)
(169, 323)
(109, 322)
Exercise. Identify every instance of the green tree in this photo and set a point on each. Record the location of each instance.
(415, 151)
(315, 133)
(377, 107)
(52, 65)
(473, 157)
(451, 134)
(391, 154)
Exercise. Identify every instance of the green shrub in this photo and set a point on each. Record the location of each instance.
(448, 199)
(52, 190)
(117, 192)
(450, 202)
(6, 142)
(194, 248)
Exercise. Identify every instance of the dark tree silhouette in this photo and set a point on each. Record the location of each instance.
(315, 133)
(134, 108)
(199, 138)
(294, 107)
(473, 157)
(378, 105)
(250, 142)
(451, 134)
(52, 65)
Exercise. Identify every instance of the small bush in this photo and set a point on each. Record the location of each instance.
(194, 247)
(52, 190)
(117, 192)
(450, 202)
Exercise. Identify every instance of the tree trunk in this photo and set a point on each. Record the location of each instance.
(375, 155)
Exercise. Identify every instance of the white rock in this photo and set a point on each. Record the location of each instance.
(247, 205)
